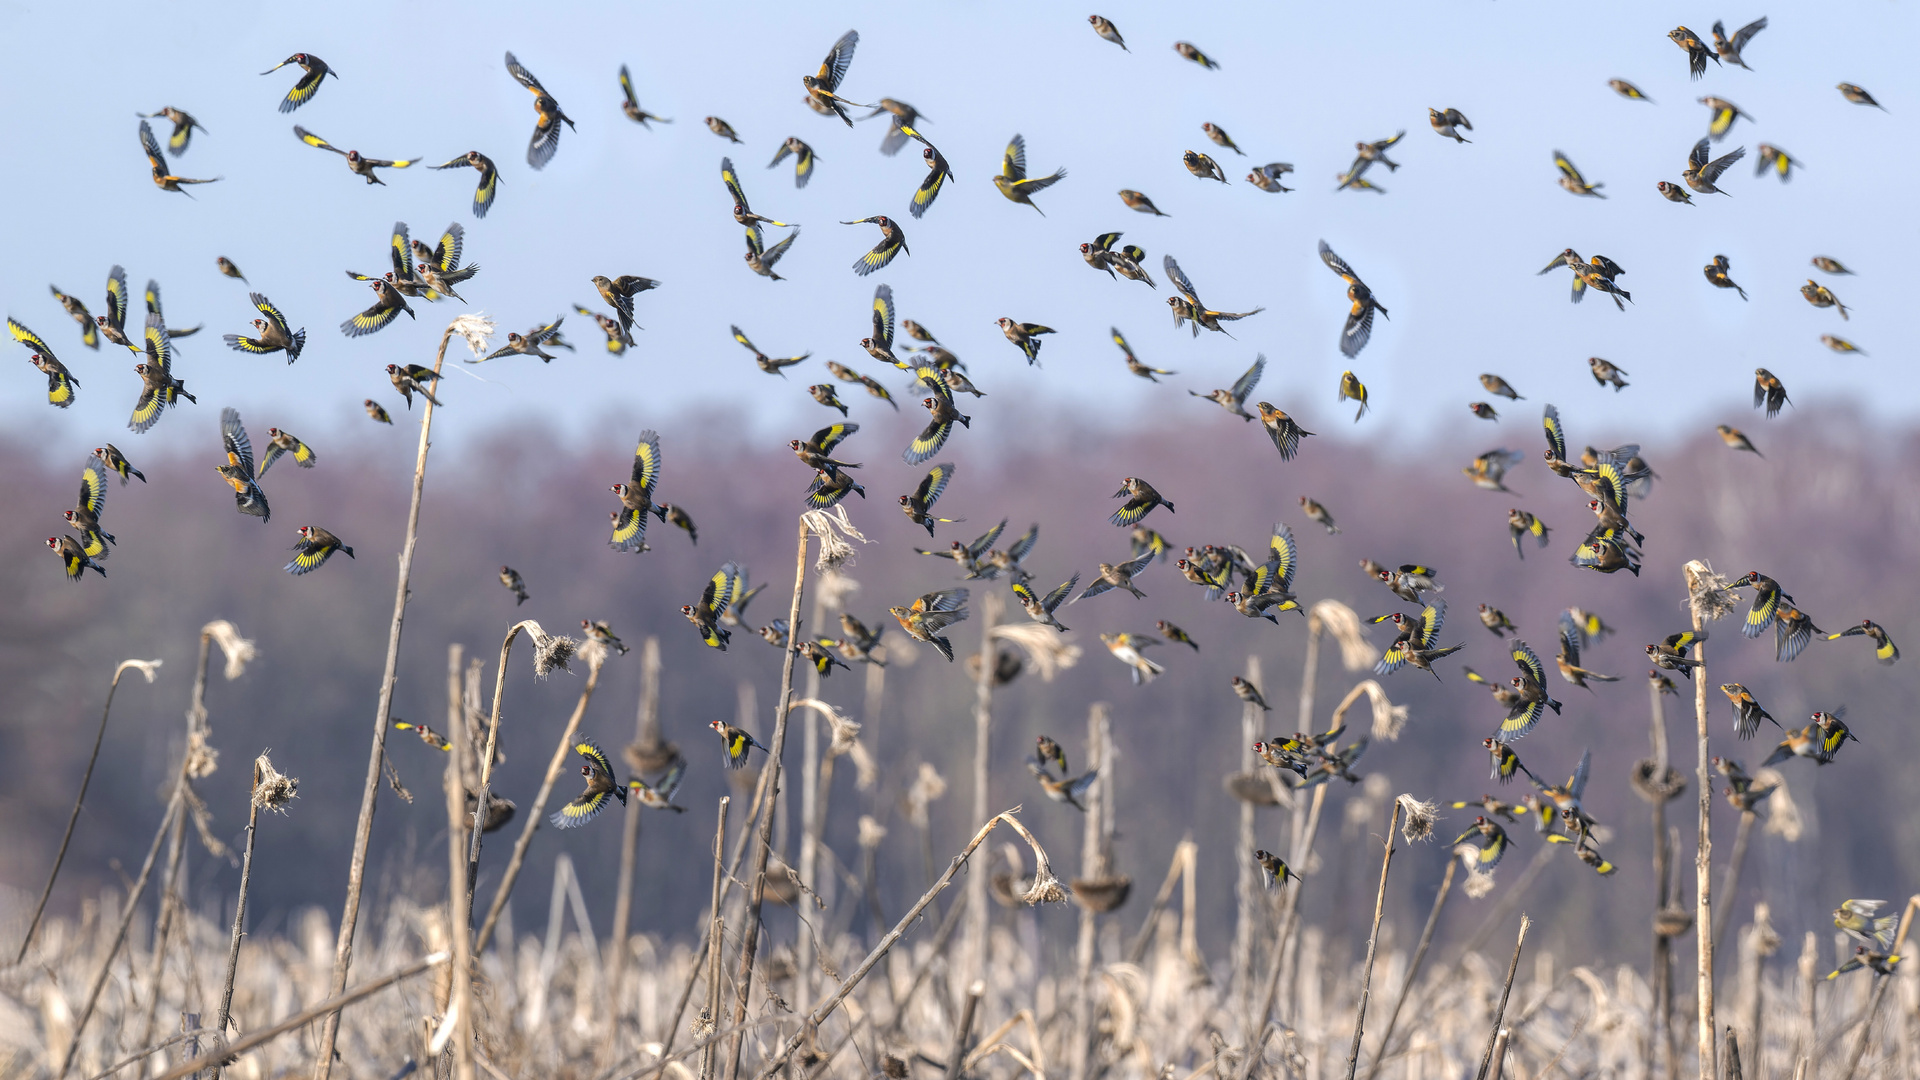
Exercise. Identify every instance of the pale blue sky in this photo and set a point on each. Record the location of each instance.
(1452, 249)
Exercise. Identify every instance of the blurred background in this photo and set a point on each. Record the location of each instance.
(524, 452)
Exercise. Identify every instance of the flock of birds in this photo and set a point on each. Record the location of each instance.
(1258, 584)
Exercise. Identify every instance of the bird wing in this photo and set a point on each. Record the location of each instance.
(265, 307)
(1556, 435)
(626, 87)
(732, 180)
(311, 139)
(839, 58)
(93, 486)
(523, 76)
(1697, 157)
(151, 145)
(1529, 662)
(1570, 637)
(159, 345)
(1060, 592)
(1568, 169)
(117, 298)
(401, 252)
(932, 484)
(1336, 264)
(883, 316)
(646, 461)
(1180, 281)
(446, 253)
(234, 436)
(1013, 163)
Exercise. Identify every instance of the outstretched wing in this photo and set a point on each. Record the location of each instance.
(1179, 279)
(1244, 385)
(732, 180)
(117, 297)
(1336, 264)
(883, 316)
(1556, 435)
(522, 76)
(646, 461)
(1013, 163)
(311, 139)
(839, 58)
(155, 156)
(234, 436)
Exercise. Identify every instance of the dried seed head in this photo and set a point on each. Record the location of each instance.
(144, 667)
(833, 588)
(871, 832)
(1046, 648)
(203, 759)
(1707, 592)
(272, 790)
(1783, 814)
(834, 529)
(1336, 618)
(476, 329)
(550, 652)
(1418, 818)
(238, 650)
(1479, 882)
(928, 787)
(892, 1067)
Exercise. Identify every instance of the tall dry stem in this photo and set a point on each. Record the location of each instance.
(770, 783)
(475, 329)
(595, 658)
(144, 667)
(1373, 941)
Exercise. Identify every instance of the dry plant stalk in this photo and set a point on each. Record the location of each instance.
(1707, 598)
(1496, 1041)
(475, 329)
(1373, 936)
(329, 1007)
(146, 668)
(770, 783)
(271, 791)
(1041, 892)
(595, 655)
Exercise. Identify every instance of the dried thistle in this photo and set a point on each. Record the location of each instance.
(702, 1025)
(1389, 720)
(1047, 649)
(144, 667)
(1417, 818)
(203, 758)
(834, 529)
(871, 832)
(1336, 618)
(550, 651)
(476, 328)
(1479, 882)
(1707, 594)
(238, 650)
(1251, 787)
(1046, 888)
(928, 788)
(1101, 895)
(892, 1067)
(272, 790)
(1761, 935)
(833, 588)
(1783, 814)
(1672, 921)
